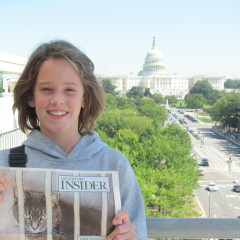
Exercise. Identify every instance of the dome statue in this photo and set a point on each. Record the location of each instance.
(154, 64)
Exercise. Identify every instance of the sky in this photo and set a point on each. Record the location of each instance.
(195, 37)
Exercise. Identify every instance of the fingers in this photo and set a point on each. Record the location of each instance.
(3, 185)
(124, 230)
(121, 217)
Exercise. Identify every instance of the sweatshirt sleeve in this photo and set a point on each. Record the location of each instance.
(131, 198)
(4, 158)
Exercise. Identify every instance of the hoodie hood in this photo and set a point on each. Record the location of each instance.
(87, 146)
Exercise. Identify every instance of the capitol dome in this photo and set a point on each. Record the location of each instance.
(154, 64)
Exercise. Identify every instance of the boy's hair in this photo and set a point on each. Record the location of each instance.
(93, 92)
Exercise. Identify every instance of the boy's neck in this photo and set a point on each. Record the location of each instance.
(65, 141)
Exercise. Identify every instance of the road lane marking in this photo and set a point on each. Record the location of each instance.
(231, 196)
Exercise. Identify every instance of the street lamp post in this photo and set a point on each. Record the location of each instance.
(209, 210)
(229, 163)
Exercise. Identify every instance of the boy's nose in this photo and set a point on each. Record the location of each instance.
(57, 99)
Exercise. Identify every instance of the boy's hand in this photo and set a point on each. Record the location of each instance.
(3, 185)
(124, 229)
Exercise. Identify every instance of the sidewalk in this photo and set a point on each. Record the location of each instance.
(230, 138)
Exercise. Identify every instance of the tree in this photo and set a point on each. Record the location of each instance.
(232, 83)
(227, 110)
(155, 112)
(160, 156)
(166, 173)
(110, 122)
(108, 87)
(195, 101)
(214, 96)
(113, 120)
(111, 102)
(147, 93)
(135, 92)
(205, 88)
(171, 99)
(125, 102)
(127, 142)
(158, 98)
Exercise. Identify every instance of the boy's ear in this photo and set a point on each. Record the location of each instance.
(31, 101)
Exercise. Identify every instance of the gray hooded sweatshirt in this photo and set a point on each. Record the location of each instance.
(89, 154)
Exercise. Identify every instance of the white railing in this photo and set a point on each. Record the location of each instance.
(11, 139)
(194, 228)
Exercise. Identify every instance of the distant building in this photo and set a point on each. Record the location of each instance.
(11, 67)
(217, 82)
(153, 76)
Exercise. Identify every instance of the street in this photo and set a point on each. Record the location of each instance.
(223, 170)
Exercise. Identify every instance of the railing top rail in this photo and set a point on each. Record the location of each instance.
(9, 132)
(193, 228)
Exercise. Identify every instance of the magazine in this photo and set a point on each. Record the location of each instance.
(49, 204)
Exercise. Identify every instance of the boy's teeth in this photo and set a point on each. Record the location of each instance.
(57, 113)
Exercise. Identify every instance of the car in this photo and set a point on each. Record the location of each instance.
(212, 187)
(204, 162)
(236, 188)
(199, 136)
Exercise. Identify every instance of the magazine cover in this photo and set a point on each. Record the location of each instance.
(46, 204)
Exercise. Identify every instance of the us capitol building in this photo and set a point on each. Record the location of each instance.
(154, 76)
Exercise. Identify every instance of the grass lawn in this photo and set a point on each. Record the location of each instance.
(180, 104)
(207, 120)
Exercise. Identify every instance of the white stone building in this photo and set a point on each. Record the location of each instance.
(152, 76)
(217, 82)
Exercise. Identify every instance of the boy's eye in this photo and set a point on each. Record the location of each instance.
(69, 90)
(45, 89)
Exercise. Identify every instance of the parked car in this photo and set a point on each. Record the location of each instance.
(212, 187)
(236, 188)
(204, 162)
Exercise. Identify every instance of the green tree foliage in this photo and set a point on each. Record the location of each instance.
(160, 156)
(158, 98)
(205, 88)
(202, 87)
(127, 142)
(195, 101)
(147, 92)
(125, 102)
(232, 83)
(214, 96)
(108, 87)
(227, 110)
(169, 174)
(147, 107)
(113, 120)
(171, 99)
(110, 102)
(135, 92)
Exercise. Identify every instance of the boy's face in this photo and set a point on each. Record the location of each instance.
(58, 98)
